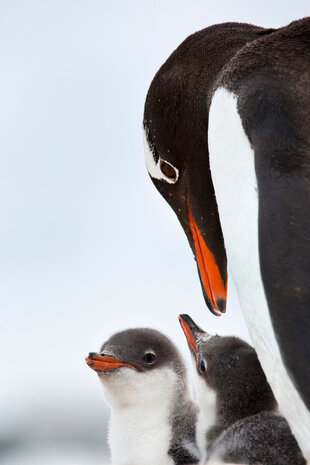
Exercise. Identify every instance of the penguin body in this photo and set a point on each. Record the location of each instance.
(239, 214)
(246, 427)
(153, 419)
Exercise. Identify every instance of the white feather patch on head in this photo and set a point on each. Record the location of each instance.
(153, 167)
(202, 338)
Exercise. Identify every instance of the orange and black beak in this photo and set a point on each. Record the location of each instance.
(101, 362)
(181, 143)
(193, 333)
(185, 325)
(213, 285)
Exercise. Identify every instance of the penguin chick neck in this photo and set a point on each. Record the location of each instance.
(142, 406)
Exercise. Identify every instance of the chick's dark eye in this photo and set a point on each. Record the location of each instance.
(149, 357)
(203, 365)
(168, 170)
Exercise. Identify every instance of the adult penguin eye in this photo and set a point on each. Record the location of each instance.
(168, 170)
(149, 357)
(203, 365)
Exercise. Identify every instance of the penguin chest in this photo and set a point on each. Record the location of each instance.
(234, 178)
(140, 426)
(140, 437)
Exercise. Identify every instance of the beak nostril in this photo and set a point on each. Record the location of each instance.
(92, 354)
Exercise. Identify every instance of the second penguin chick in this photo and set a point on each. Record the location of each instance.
(237, 421)
(144, 379)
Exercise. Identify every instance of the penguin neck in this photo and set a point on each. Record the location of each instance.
(141, 426)
(219, 410)
(139, 435)
(233, 406)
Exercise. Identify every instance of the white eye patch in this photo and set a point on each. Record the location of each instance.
(154, 168)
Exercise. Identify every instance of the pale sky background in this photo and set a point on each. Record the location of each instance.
(87, 245)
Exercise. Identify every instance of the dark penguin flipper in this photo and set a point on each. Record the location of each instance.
(274, 105)
(264, 438)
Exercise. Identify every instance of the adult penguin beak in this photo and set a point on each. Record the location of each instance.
(214, 288)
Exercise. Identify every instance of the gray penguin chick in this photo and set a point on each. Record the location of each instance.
(153, 418)
(238, 420)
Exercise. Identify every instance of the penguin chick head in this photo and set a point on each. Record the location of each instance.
(230, 368)
(137, 365)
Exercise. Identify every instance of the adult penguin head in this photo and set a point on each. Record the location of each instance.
(176, 143)
(176, 150)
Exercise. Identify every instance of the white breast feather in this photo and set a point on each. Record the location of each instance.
(141, 404)
(234, 179)
(206, 400)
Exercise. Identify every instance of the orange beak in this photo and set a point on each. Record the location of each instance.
(189, 335)
(212, 282)
(104, 363)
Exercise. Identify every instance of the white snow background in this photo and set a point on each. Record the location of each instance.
(87, 245)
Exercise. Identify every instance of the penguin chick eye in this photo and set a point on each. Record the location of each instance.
(168, 170)
(149, 357)
(203, 366)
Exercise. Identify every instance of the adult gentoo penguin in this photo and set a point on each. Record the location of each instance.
(152, 416)
(238, 421)
(227, 143)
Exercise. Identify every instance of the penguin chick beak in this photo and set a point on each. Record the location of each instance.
(101, 362)
(193, 333)
(214, 289)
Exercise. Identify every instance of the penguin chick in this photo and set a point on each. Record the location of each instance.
(238, 420)
(144, 379)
